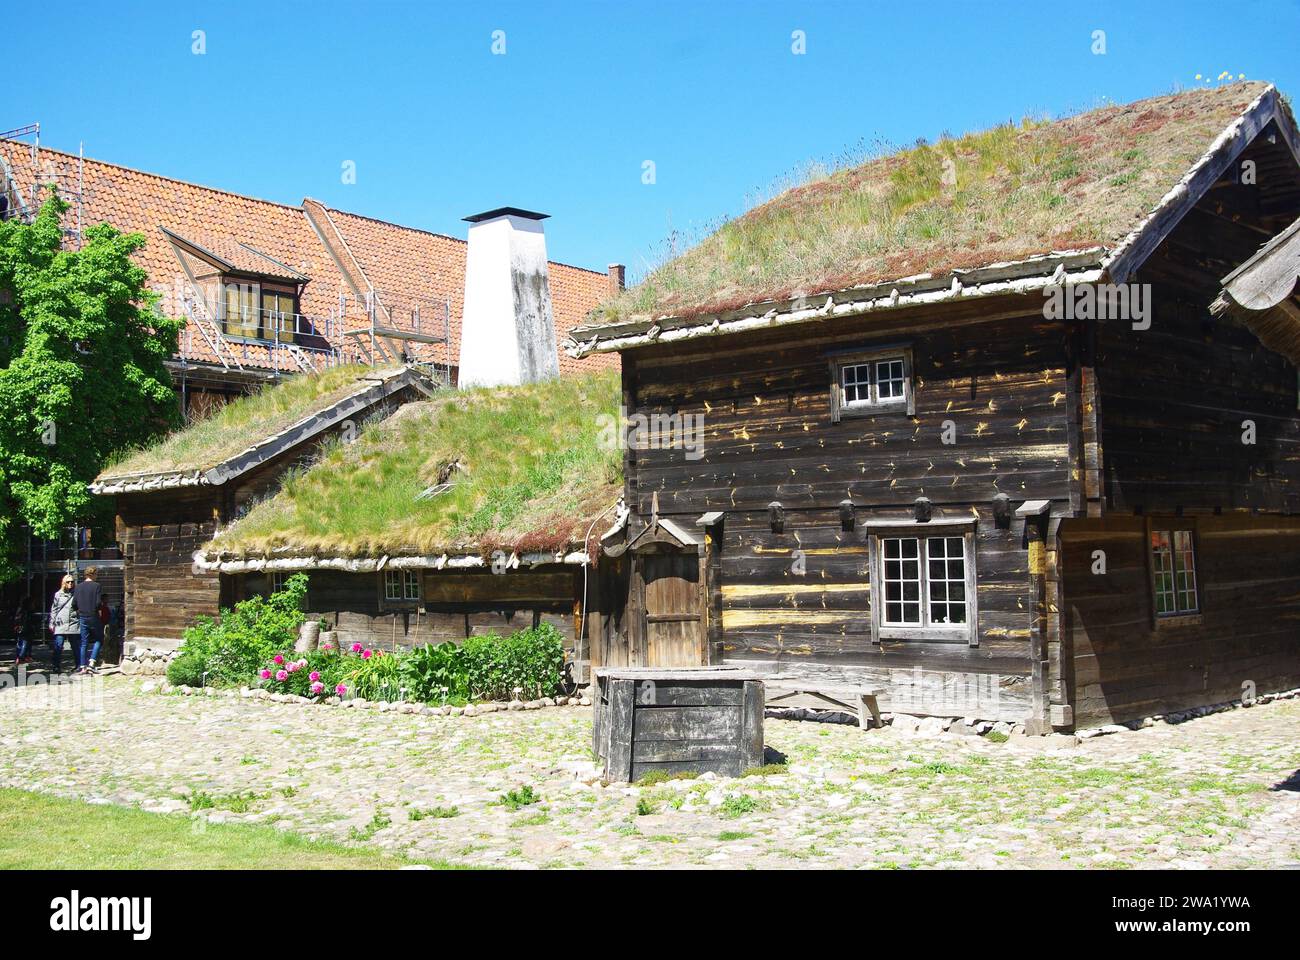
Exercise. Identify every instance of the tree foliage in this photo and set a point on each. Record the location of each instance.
(82, 351)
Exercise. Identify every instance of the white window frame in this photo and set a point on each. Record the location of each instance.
(872, 359)
(400, 587)
(882, 629)
(1175, 530)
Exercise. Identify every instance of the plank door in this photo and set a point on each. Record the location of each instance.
(674, 625)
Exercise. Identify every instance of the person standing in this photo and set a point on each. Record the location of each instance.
(88, 596)
(22, 626)
(64, 624)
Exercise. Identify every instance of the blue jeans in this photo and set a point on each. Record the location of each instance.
(92, 637)
(58, 648)
(24, 649)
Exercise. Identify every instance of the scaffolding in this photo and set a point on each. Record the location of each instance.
(53, 171)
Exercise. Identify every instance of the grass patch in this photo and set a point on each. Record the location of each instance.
(766, 770)
(243, 422)
(727, 835)
(122, 838)
(433, 813)
(738, 805)
(878, 213)
(655, 777)
(528, 466)
(378, 821)
(996, 736)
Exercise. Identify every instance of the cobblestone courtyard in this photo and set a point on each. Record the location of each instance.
(1220, 791)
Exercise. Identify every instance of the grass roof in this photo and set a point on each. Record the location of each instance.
(528, 468)
(244, 422)
(998, 195)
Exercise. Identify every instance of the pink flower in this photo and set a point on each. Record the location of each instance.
(367, 654)
(281, 676)
(356, 648)
(277, 659)
(314, 675)
(327, 646)
(341, 689)
(293, 668)
(318, 687)
(265, 674)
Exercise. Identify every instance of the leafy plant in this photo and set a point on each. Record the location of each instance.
(737, 805)
(82, 354)
(233, 649)
(520, 797)
(373, 674)
(435, 673)
(188, 670)
(433, 813)
(530, 661)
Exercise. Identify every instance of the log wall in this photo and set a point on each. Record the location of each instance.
(1127, 665)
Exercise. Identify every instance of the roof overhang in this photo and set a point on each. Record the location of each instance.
(1262, 294)
(374, 389)
(1115, 264)
(214, 561)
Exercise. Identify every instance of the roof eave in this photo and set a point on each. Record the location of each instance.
(999, 279)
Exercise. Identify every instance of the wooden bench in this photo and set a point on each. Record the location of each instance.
(810, 693)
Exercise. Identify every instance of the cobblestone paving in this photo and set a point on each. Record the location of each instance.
(1220, 791)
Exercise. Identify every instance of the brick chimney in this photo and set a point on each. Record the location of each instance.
(617, 281)
(508, 331)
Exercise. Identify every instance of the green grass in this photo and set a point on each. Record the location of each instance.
(519, 797)
(53, 833)
(529, 466)
(243, 422)
(879, 213)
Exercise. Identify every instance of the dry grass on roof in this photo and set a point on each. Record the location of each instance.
(963, 202)
(244, 422)
(530, 468)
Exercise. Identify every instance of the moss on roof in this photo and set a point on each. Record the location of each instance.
(244, 422)
(998, 195)
(529, 468)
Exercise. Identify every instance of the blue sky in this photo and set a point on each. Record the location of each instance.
(438, 126)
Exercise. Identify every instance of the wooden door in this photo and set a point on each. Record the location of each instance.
(674, 625)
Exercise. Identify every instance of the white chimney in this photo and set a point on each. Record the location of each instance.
(507, 335)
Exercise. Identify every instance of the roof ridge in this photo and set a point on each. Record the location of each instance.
(163, 176)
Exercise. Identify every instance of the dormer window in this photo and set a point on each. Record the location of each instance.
(254, 312)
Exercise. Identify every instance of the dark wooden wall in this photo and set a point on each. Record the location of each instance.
(1003, 382)
(159, 533)
(1127, 668)
(1173, 398)
(456, 605)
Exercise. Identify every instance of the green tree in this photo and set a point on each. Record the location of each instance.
(82, 351)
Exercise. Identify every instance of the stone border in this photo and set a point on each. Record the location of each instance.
(379, 706)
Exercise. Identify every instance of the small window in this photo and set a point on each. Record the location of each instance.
(277, 581)
(240, 310)
(1173, 572)
(401, 585)
(868, 383)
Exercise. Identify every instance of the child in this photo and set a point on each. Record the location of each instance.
(22, 624)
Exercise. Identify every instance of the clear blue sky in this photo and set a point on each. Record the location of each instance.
(440, 127)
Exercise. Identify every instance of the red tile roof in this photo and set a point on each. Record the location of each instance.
(350, 256)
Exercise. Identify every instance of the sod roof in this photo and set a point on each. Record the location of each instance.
(999, 196)
(523, 469)
(244, 422)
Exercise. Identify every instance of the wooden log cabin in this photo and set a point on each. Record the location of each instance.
(960, 424)
(471, 512)
(174, 497)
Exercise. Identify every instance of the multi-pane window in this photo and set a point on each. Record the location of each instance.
(1173, 561)
(871, 382)
(240, 312)
(278, 311)
(856, 378)
(924, 581)
(401, 585)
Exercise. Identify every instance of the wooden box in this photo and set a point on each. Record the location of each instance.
(676, 720)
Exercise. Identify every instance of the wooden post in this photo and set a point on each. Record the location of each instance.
(617, 729)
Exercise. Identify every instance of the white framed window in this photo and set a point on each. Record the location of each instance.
(401, 585)
(1173, 572)
(923, 581)
(869, 382)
